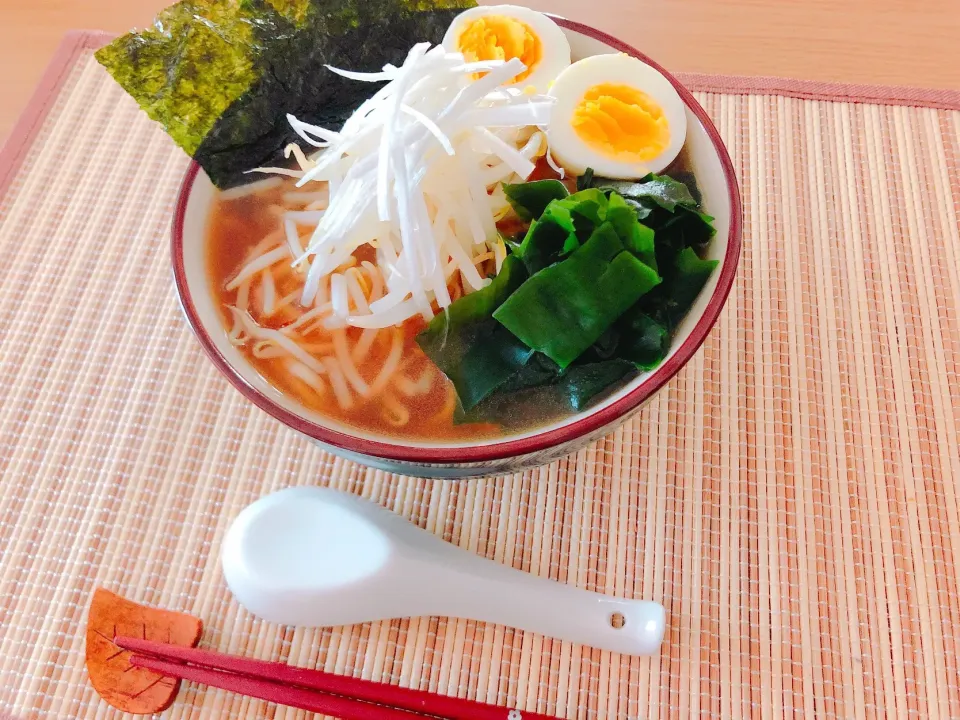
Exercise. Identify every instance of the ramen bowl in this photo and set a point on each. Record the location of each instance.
(485, 456)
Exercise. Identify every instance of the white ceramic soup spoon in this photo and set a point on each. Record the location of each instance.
(318, 557)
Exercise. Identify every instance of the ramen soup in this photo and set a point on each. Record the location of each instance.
(494, 239)
(377, 380)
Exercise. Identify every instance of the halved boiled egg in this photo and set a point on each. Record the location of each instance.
(504, 32)
(617, 115)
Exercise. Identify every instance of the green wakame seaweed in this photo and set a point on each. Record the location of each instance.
(565, 308)
(470, 347)
(221, 75)
(659, 221)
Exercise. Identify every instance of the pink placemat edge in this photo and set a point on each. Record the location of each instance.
(816, 90)
(76, 41)
(30, 120)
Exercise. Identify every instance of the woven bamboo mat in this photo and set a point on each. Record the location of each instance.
(791, 497)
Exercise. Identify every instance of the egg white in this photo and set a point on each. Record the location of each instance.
(556, 49)
(573, 153)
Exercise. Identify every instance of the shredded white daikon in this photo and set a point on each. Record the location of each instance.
(414, 172)
(242, 320)
(307, 375)
(555, 166)
(269, 290)
(260, 263)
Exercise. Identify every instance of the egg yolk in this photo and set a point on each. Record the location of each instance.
(498, 37)
(621, 122)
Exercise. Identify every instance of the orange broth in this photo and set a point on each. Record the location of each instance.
(235, 228)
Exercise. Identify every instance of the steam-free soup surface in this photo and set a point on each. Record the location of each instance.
(416, 401)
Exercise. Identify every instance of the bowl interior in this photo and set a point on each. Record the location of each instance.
(719, 198)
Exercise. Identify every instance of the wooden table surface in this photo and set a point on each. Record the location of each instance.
(887, 42)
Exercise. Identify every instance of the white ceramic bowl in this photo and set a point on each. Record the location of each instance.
(721, 198)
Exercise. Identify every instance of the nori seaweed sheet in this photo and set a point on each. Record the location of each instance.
(221, 75)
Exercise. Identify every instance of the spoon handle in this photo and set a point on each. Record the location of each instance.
(487, 591)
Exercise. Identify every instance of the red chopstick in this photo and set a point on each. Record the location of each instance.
(302, 698)
(344, 697)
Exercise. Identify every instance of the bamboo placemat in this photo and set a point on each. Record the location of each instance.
(791, 497)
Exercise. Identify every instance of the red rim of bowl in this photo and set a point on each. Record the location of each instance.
(507, 448)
